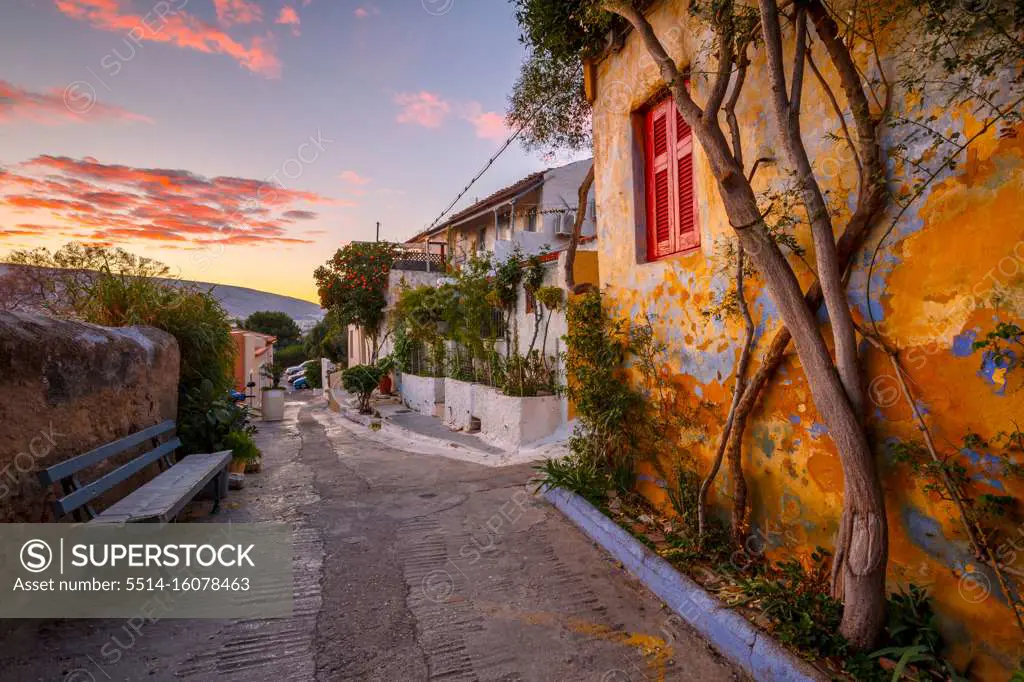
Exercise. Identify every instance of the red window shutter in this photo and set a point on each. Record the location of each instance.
(688, 235)
(682, 129)
(660, 216)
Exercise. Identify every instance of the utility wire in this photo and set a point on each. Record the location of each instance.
(490, 162)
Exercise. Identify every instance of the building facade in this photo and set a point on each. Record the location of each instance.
(254, 353)
(950, 269)
(534, 214)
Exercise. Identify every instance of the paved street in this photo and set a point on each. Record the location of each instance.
(408, 567)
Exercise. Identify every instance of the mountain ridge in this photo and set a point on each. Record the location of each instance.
(240, 302)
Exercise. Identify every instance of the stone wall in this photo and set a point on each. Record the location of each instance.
(423, 394)
(458, 403)
(68, 387)
(510, 422)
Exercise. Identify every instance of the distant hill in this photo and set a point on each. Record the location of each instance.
(240, 302)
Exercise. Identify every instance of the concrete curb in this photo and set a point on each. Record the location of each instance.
(730, 633)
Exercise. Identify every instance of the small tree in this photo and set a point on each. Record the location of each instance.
(277, 324)
(327, 339)
(353, 284)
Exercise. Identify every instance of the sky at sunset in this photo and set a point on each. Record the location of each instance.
(243, 141)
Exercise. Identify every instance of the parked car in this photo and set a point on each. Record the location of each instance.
(300, 383)
(293, 373)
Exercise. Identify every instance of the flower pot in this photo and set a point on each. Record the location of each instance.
(273, 405)
(236, 474)
(385, 384)
(254, 467)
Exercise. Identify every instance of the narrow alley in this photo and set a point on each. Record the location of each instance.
(407, 567)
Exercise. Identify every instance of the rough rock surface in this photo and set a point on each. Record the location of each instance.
(68, 387)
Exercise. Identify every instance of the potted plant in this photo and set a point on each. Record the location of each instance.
(244, 453)
(386, 365)
(273, 395)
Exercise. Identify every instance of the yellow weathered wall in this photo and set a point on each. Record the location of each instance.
(931, 293)
(584, 268)
(584, 271)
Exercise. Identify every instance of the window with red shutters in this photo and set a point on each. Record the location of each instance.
(671, 205)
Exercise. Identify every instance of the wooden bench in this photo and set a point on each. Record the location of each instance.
(159, 500)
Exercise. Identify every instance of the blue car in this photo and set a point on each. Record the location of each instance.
(300, 384)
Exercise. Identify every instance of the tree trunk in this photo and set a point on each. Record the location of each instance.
(787, 117)
(581, 214)
(862, 544)
(741, 378)
(538, 315)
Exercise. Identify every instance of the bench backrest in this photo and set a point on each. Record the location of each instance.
(66, 472)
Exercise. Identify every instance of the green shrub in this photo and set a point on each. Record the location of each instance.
(242, 446)
(211, 429)
(314, 374)
(526, 376)
(583, 475)
(362, 380)
(289, 356)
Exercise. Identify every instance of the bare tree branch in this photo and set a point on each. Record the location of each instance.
(796, 87)
(829, 273)
(725, 61)
(839, 114)
(581, 214)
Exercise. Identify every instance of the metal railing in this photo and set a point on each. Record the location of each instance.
(430, 257)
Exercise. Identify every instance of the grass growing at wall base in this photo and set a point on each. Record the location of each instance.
(789, 599)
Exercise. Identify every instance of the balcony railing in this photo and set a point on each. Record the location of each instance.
(429, 257)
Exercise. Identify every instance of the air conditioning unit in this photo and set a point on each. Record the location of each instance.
(565, 224)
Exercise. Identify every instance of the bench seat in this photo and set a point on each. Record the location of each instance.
(162, 498)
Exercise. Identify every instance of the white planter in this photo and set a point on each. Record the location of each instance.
(458, 403)
(423, 394)
(273, 405)
(509, 422)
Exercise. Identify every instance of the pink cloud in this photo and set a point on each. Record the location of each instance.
(118, 203)
(489, 125)
(237, 12)
(422, 108)
(56, 106)
(354, 178)
(289, 17)
(365, 11)
(176, 28)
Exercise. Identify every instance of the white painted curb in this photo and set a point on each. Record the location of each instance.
(731, 634)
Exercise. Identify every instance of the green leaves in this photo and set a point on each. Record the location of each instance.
(549, 104)
(353, 283)
(276, 324)
(362, 380)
